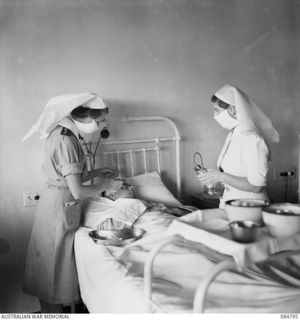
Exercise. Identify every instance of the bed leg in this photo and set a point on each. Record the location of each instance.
(202, 288)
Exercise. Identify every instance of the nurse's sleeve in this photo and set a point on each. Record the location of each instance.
(68, 156)
(255, 155)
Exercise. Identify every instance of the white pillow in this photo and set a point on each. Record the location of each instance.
(149, 187)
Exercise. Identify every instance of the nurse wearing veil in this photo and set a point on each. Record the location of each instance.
(243, 161)
(50, 271)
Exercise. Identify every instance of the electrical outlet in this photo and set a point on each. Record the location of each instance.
(30, 199)
(286, 173)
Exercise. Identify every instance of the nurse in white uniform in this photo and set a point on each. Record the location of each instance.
(50, 271)
(243, 161)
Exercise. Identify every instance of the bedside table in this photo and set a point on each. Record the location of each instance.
(203, 203)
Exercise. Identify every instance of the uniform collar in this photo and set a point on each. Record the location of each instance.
(68, 123)
(236, 131)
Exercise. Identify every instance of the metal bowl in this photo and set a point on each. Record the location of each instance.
(118, 237)
(243, 231)
(282, 219)
(245, 209)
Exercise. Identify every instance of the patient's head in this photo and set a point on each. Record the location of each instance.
(125, 192)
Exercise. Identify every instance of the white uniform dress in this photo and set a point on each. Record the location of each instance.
(50, 272)
(245, 154)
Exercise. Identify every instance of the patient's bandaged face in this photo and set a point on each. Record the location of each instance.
(112, 224)
(124, 192)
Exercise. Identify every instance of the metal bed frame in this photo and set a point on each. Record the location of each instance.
(155, 148)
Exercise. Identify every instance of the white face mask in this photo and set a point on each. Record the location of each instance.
(87, 128)
(226, 120)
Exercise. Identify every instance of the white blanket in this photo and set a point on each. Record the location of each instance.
(111, 278)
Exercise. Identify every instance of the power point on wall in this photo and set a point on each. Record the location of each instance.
(30, 199)
(285, 174)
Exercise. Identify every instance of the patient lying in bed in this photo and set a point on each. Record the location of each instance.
(120, 209)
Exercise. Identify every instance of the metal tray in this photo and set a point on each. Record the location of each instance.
(119, 237)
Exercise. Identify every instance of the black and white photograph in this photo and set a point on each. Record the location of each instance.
(150, 157)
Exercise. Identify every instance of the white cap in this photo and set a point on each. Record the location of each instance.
(249, 115)
(61, 106)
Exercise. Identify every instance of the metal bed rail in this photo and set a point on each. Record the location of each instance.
(228, 264)
(156, 148)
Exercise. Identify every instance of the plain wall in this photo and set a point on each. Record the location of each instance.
(145, 57)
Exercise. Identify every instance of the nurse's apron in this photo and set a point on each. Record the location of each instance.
(230, 192)
(50, 272)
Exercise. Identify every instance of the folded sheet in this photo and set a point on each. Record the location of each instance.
(211, 240)
(107, 214)
(243, 254)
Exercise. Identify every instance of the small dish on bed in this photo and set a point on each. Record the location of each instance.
(243, 231)
(119, 237)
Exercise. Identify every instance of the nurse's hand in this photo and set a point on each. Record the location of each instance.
(210, 177)
(105, 172)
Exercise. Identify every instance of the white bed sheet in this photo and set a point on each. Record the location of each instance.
(111, 278)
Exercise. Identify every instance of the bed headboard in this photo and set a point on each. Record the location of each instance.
(138, 145)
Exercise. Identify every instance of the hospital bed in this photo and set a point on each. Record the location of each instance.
(182, 264)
